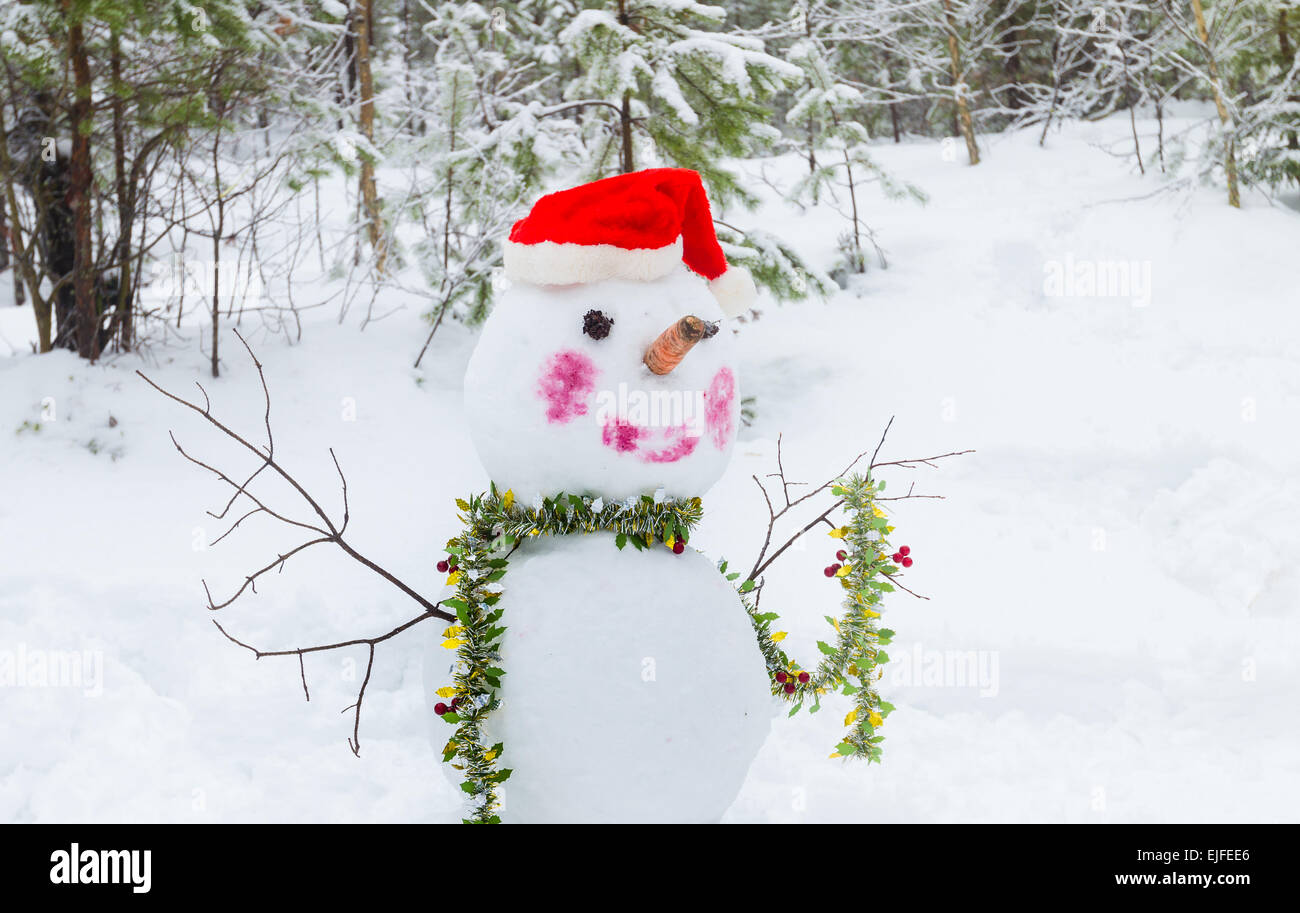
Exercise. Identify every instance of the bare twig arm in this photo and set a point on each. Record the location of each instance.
(764, 561)
(326, 532)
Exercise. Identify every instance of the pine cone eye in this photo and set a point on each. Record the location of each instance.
(596, 325)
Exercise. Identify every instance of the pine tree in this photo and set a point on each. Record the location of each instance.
(830, 119)
(93, 142)
(1266, 73)
(491, 144)
(672, 88)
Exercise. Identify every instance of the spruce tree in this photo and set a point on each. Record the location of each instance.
(674, 89)
(832, 136)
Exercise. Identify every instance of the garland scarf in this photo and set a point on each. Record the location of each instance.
(495, 525)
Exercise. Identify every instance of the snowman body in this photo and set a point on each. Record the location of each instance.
(634, 690)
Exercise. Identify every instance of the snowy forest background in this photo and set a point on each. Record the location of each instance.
(1061, 233)
(181, 125)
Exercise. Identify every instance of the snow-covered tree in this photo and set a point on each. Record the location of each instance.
(940, 51)
(491, 143)
(1219, 49)
(830, 119)
(98, 93)
(1265, 74)
(671, 87)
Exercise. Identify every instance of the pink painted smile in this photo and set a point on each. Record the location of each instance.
(651, 445)
(675, 442)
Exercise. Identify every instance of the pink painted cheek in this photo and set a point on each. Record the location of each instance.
(568, 378)
(718, 403)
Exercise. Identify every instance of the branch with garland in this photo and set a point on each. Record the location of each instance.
(865, 568)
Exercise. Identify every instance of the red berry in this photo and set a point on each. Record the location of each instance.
(440, 708)
(454, 568)
(442, 567)
(829, 571)
(904, 550)
(841, 555)
(907, 562)
(789, 687)
(454, 702)
(804, 676)
(781, 676)
(896, 557)
(678, 547)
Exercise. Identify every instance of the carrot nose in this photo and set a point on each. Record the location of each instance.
(668, 350)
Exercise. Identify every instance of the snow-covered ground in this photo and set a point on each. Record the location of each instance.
(1118, 565)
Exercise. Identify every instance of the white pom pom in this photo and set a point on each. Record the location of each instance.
(734, 290)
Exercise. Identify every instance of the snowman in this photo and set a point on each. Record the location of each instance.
(634, 689)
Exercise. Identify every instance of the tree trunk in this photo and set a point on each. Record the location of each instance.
(1132, 117)
(4, 243)
(346, 91)
(861, 265)
(7, 242)
(963, 110)
(1288, 59)
(812, 133)
(23, 251)
(1229, 152)
(1056, 88)
(1160, 133)
(79, 188)
(216, 261)
(219, 229)
(1016, 97)
(264, 125)
(369, 192)
(627, 165)
(122, 316)
(452, 123)
(54, 238)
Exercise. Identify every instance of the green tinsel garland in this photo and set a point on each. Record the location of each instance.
(495, 526)
(856, 654)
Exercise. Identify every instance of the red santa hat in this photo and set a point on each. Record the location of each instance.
(632, 226)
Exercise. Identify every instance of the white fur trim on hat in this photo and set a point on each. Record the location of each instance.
(734, 290)
(552, 263)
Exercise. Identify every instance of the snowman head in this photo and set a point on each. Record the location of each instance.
(605, 368)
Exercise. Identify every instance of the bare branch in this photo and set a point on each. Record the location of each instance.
(894, 580)
(354, 743)
(250, 580)
(329, 533)
(763, 561)
(302, 671)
